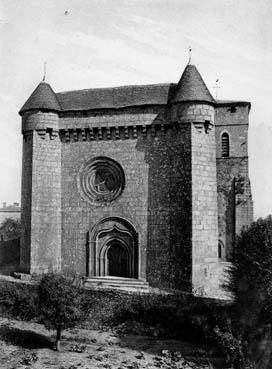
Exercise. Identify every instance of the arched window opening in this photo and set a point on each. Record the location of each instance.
(225, 145)
(220, 251)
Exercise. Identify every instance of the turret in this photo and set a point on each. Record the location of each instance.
(41, 105)
(41, 182)
(192, 101)
(192, 106)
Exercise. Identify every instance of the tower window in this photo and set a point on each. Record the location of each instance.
(220, 250)
(225, 145)
(206, 126)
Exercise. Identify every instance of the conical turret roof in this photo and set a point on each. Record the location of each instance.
(191, 87)
(43, 97)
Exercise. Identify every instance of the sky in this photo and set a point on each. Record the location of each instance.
(103, 43)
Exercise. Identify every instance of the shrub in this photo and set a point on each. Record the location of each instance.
(232, 346)
(59, 304)
(173, 316)
(250, 281)
(11, 228)
(251, 275)
(18, 300)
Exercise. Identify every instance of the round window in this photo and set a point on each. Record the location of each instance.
(101, 180)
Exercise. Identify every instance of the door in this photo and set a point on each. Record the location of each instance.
(118, 260)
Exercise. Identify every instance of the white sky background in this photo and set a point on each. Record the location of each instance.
(101, 43)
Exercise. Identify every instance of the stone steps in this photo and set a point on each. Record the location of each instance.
(126, 284)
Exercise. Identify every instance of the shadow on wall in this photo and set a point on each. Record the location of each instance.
(169, 206)
(230, 221)
(9, 256)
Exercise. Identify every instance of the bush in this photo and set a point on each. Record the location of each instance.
(251, 275)
(18, 301)
(250, 281)
(59, 304)
(11, 228)
(172, 316)
(232, 346)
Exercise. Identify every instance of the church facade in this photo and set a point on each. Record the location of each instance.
(147, 183)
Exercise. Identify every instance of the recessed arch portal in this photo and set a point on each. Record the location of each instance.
(113, 249)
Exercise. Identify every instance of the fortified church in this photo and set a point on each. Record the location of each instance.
(135, 185)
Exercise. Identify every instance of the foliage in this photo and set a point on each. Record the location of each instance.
(250, 282)
(174, 316)
(232, 346)
(251, 275)
(10, 228)
(59, 303)
(18, 300)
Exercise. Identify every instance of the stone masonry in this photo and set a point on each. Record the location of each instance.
(134, 182)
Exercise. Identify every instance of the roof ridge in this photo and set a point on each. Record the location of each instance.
(116, 87)
(218, 101)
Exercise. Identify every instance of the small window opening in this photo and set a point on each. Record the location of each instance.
(233, 109)
(219, 251)
(206, 126)
(225, 145)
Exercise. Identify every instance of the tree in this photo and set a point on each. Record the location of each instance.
(11, 228)
(251, 276)
(59, 304)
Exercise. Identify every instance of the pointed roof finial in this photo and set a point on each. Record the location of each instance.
(216, 87)
(44, 71)
(190, 55)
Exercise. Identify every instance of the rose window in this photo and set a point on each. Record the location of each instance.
(101, 180)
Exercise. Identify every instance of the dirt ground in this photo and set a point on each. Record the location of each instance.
(29, 345)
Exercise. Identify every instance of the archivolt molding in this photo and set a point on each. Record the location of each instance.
(106, 232)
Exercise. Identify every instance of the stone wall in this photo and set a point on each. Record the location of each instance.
(169, 197)
(204, 211)
(203, 208)
(235, 206)
(192, 112)
(236, 125)
(79, 216)
(26, 197)
(46, 204)
(235, 113)
(130, 116)
(41, 194)
(155, 199)
(169, 209)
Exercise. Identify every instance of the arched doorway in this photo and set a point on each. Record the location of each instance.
(113, 249)
(118, 260)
